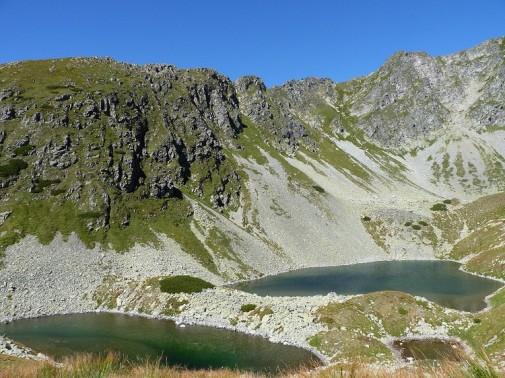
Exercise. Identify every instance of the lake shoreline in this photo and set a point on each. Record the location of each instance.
(67, 281)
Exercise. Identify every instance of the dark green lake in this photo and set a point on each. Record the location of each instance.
(138, 338)
(439, 281)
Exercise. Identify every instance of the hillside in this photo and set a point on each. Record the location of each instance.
(112, 174)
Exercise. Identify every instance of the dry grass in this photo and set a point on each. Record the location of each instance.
(113, 366)
(110, 365)
(443, 370)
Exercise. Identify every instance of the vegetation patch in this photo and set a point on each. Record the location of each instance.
(357, 326)
(439, 207)
(183, 284)
(317, 188)
(147, 219)
(248, 307)
(366, 218)
(24, 150)
(379, 231)
(262, 312)
(56, 192)
(40, 185)
(12, 168)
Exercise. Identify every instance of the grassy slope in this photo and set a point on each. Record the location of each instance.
(484, 246)
(36, 85)
(359, 326)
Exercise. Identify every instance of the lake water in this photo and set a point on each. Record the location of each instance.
(439, 281)
(429, 349)
(195, 347)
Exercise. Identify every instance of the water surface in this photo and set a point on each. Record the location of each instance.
(439, 281)
(195, 347)
(429, 349)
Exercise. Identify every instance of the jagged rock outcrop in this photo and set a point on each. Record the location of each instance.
(106, 129)
(271, 113)
(107, 138)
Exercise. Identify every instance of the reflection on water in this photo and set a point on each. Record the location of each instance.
(138, 338)
(429, 349)
(439, 281)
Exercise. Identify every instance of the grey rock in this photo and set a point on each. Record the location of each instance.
(7, 112)
(4, 216)
(63, 97)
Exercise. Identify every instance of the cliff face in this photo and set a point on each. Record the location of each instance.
(120, 153)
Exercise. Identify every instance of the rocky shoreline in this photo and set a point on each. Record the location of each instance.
(64, 278)
(10, 348)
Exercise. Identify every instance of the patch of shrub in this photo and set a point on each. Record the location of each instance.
(423, 223)
(90, 215)
(47, 106)
(447, 201)
(247, 307)
(416, 227)
(262, 312)
(476, 320)
(12, 168)
(41, 184)
(408, 224)
(317, 188)
(439, 207)
(55, 87)
(402, 311)
(183, 284)
(366, 218)
(24, 150)
(55, 192)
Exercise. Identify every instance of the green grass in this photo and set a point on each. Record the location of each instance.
(221, 244)
(439, 207)
(498, 298)
(24, 150)
(40, 185)
(248, 307)
(56, 192)
(351, 168)
(253, 139)
(12, 168)
(148, 218)
(357, 326)
(183, 284)
(261, 312)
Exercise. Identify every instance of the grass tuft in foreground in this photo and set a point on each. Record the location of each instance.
(112, 365)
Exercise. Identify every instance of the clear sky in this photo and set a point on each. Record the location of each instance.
(277, 40)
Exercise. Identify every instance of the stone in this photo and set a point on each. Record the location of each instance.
(7, 112)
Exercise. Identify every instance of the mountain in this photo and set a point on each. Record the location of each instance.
(186, 172)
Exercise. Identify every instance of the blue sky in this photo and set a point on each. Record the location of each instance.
(277, 40)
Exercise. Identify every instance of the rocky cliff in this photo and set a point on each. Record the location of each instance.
(184, 172)
(123, 154)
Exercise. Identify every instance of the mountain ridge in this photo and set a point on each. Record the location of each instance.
(184, 172)
(120, 132)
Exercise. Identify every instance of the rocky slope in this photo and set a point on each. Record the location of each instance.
(186, 172)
